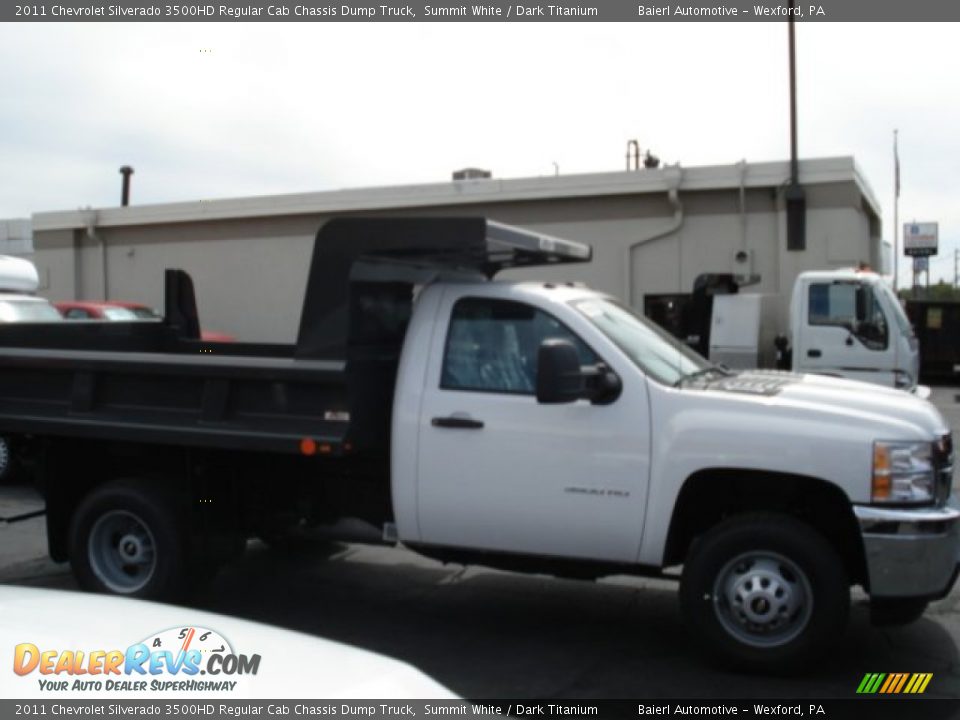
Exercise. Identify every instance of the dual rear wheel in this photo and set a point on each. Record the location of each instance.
(131, 538)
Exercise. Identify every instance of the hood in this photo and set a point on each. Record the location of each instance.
(908, 415)
(287, 664)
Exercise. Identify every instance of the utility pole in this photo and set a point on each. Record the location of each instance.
(795, 197)
(956, 266)
(896, 219)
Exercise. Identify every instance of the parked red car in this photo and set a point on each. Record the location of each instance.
(118, 310)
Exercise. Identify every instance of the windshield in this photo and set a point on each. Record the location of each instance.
(145, 313)
(118, 313)
(28, 311)
(899, 315)
(656, 352)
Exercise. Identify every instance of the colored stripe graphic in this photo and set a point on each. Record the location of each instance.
(894, 683)
(891, 680)
(903, 681)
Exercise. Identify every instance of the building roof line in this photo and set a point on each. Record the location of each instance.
(700, 178)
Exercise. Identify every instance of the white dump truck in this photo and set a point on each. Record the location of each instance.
(536, 427)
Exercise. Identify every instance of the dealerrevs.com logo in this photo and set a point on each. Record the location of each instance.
(178, 659)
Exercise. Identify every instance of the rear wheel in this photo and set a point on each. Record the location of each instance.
(764, 593)
(129, 538)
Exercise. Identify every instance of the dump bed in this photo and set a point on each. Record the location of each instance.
(328, 394)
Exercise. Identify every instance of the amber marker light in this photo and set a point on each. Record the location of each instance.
(881, 472)
(308, 446)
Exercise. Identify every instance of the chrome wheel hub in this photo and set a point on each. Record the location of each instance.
(763, 599)
(121, 551)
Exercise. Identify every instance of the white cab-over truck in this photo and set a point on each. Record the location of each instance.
(842, 323)
(535, 427)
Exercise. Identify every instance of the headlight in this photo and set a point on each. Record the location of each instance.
(903, 472)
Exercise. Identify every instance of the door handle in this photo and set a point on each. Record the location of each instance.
(457, 422)
(814, 353)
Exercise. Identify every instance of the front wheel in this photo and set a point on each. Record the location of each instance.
(764, 593)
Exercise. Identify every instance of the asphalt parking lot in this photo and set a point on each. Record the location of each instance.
(485, 634)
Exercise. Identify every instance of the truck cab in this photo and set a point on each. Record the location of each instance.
(849, 323)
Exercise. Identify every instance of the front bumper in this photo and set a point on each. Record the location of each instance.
(910, 552)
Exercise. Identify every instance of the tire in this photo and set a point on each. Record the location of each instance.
(764, 593)
(129, 538)
(891, 612)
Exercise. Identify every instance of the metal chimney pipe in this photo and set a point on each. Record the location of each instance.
(126, 171)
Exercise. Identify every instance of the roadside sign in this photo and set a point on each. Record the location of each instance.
(920, 239)
(921, 264)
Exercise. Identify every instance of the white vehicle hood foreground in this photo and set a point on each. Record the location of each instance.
(912, 416)
(291, 665)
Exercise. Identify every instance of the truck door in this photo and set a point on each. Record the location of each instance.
(498, 471)
(845, 331)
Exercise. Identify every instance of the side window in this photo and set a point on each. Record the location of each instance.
(853, 306)
(833, 304)
(492, 346)
(77, 314)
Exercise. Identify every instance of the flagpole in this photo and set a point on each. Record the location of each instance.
(896, 203)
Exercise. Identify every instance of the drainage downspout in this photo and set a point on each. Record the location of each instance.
(674, 180)
(743, 205)
(92, 235)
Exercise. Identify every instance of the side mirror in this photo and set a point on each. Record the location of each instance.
(559, 377)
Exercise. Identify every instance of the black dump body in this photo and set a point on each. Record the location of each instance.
(937, 324)
(330, 393)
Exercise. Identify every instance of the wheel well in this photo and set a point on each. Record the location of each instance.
(710, 496)
(70, 469)
(226, 493)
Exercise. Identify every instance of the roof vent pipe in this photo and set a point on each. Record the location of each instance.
(633, 155)
(126, 171)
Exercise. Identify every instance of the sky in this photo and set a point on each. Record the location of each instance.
(207, 110)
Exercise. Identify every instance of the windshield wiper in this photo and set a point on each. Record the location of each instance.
(715, 368)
